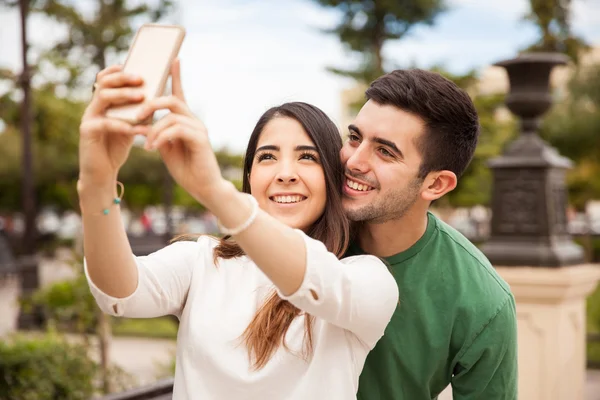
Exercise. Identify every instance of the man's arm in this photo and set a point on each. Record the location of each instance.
(488, 368)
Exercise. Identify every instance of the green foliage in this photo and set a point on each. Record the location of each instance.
(45, 368)
(68, 305)
(552, 19)
(162, 328)
(366, 25)
(227, 159)
(55, 129)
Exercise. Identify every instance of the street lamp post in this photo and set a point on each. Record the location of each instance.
(529, 199)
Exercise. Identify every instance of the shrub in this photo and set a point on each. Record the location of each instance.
(45, 368)
(69, 305)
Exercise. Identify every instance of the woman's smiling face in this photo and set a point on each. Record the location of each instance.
(286, 176)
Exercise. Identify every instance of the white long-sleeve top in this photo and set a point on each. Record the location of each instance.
(356, 298)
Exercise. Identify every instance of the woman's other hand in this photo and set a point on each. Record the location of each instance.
(182, 140)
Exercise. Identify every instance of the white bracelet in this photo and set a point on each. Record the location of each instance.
(245, 225)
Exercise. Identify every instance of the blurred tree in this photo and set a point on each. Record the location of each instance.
(54, 129)
(97, 30)
(573, 126)
(92, 35)
(367, 24)
(228, 159)
(552, 18)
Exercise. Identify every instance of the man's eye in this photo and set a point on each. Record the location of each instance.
(385, 152)
(353, 137)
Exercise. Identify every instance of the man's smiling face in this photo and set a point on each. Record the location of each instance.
(381, 163)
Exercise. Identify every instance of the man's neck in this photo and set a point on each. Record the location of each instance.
(395, 236)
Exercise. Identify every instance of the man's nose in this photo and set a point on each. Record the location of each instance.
(359, 160)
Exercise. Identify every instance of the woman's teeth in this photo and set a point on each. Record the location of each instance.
(357, 186)
(288, 199)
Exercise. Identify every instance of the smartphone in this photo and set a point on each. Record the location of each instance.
(150, 56)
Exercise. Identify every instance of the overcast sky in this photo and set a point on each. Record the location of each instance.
(241, 57)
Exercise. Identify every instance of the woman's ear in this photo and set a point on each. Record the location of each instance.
(438, 184)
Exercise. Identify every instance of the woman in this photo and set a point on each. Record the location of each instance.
(270, 313)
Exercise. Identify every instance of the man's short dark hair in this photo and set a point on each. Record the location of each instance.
(451, 121)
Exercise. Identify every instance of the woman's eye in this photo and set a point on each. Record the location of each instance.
(308, 156)
(265, 156)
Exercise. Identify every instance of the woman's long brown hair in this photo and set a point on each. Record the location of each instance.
(266, 332)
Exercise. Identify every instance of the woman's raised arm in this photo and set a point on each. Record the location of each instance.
(121, 283)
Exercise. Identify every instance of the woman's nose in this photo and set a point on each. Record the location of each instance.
(287, 174)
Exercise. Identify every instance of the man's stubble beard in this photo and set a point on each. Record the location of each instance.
(394, 206)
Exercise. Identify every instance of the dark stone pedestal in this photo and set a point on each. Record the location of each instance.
(529, 199)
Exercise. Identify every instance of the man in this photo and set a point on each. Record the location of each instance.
(456, 322)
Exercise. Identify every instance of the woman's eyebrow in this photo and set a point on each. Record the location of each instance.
(305, 148)
(268, 147)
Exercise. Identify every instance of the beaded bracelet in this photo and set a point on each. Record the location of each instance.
(116, 200)
(246, 224)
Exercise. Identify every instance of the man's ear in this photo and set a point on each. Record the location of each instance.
(437, 184)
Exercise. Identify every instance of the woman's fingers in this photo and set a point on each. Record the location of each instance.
(172, 103)
(176, 80)
(108, 70)
(110, 127)
(165, 123)
(191, 139)
(119, 79)
(106, 98)
(170, 134)
(112, 88)
(160, 125)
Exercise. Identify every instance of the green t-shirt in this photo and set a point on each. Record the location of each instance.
(456, 323)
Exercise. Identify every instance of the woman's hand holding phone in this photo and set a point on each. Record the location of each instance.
(104, 143)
